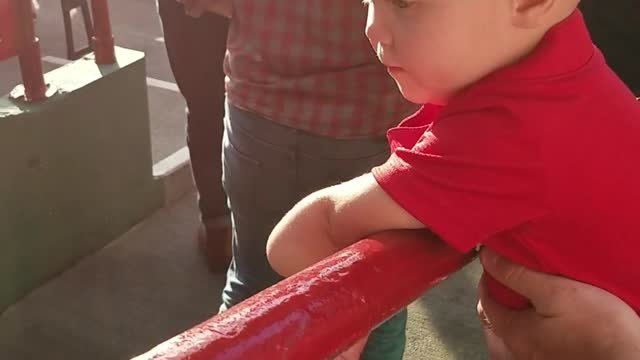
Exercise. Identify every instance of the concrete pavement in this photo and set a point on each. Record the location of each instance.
(151, 284)
(443, 323)
(143, 288)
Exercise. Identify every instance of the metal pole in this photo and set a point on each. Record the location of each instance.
(103, 44)
(7, 31)
(320, 311)
(28, 46)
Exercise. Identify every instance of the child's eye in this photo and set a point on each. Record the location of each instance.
(402, 4)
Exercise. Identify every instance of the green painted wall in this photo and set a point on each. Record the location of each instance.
(75, 170)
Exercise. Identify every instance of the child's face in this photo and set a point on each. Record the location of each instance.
(435, 48)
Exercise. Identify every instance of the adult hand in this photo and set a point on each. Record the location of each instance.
(568, 320)
(196, 8)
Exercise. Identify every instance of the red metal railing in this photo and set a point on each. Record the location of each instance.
(318, 312)
(103, 45)
(7, 30)
(18, 38)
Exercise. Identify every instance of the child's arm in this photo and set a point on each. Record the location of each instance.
(331, 219)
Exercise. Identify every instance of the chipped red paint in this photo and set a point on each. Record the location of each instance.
(103, 45)
(319, 311)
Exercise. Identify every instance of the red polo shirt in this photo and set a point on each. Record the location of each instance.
(539, 161)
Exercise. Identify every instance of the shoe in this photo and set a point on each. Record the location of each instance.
(214, 242)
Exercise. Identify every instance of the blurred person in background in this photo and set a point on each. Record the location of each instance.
(196, 48)
(308, 106)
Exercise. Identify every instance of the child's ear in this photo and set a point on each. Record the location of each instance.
(529, 14)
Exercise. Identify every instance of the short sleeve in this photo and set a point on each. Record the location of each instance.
(469, 176)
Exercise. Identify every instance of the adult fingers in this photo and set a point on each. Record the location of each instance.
(496, 348)
(544, 291)
(197, 9)
(222, 7)
(193, 8)
(493, 316)
(507, 332)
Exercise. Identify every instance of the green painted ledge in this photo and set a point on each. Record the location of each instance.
(75, 170)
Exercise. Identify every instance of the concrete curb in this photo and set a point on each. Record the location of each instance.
(174, 175)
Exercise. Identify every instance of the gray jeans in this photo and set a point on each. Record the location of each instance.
(268, 168)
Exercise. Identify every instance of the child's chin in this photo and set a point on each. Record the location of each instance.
(416, 97)
(422, 96)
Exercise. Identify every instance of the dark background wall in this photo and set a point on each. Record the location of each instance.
(615, 29)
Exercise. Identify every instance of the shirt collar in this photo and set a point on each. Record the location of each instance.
(565, 48)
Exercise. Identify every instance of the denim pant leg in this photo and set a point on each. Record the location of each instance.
(196, 48)
(258, 175)
(267, 169)
(387, 341)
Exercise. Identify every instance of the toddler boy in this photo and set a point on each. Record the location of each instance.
(527, 143)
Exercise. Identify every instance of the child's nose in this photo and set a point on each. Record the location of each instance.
(376, 30)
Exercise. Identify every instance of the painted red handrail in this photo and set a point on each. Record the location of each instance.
(7, 31)
(17, 37)
(322, 310)
(103, 44)
(28, 49)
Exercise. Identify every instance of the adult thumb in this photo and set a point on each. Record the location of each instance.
(532, 285)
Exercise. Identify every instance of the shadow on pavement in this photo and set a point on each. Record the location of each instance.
(140, 290)
(443, 323)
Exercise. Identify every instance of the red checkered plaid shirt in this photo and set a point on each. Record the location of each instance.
(307, 64)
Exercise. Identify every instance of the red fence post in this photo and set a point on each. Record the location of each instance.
(322, 310)
(28, 48)
(7, 31)
(103, 44)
